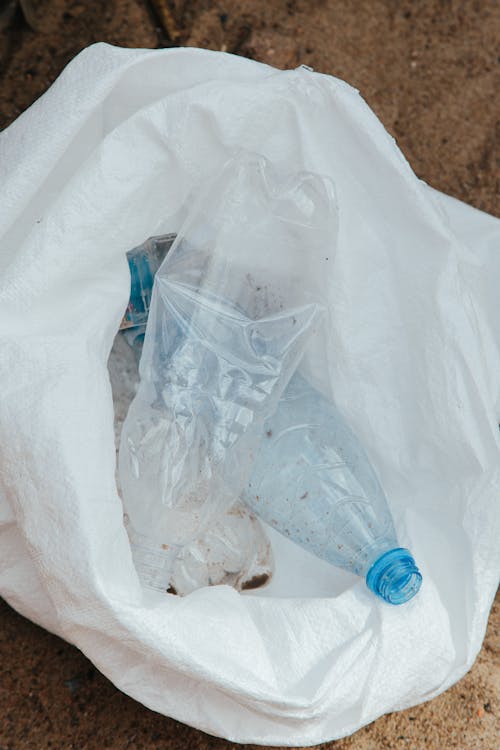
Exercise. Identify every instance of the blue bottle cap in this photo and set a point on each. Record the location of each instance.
(394, 576)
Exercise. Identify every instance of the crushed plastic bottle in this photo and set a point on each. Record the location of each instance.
(312, 482)
(144, 261)
(235, 550)
(224, 337)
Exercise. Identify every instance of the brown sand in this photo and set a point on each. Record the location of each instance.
(430, 70)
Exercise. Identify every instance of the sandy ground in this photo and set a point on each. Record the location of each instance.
(431, 72)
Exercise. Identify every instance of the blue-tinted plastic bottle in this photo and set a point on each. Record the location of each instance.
(144, 261)
(312, 482)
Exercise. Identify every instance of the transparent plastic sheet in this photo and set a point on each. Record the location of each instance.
(414, 362)
(232, 313)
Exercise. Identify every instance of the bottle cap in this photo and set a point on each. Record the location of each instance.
(394, 576)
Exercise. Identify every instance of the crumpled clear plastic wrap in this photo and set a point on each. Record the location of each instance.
(232, 313)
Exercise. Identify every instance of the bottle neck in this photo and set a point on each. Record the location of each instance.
(394, 576)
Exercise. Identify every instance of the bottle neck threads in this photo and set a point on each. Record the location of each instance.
(394, 576)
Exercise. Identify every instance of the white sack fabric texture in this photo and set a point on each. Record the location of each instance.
(113, 154)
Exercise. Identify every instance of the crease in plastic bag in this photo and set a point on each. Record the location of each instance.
(413, 362)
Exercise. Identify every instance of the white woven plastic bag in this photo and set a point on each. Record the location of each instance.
(112, 154)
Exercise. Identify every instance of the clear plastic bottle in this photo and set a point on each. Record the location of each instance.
(312, 481)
